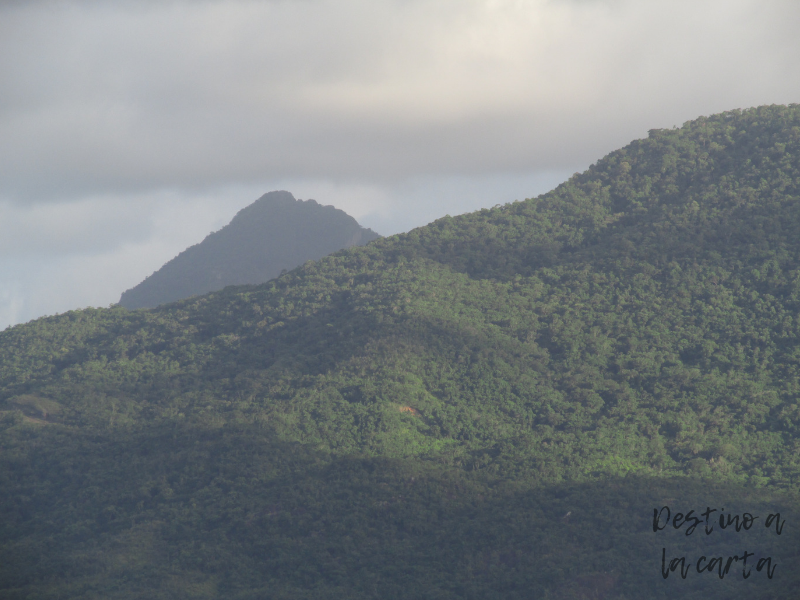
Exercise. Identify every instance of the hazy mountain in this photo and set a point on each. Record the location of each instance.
(273, 234)
(488, 407)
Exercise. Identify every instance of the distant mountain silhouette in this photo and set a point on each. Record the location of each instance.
(274, 233)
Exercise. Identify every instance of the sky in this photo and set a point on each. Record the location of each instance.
(129, 130)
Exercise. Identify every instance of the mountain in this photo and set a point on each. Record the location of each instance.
(273, 234)
(491, 406)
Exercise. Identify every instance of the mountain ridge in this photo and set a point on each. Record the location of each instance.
(490, 406)
(273, 234)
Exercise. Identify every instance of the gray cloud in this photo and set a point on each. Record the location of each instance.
(84, 227)
(59, 256)
(106, 97)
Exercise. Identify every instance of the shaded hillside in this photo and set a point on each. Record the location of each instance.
(449, 413)
(273, 234)
(226, 512)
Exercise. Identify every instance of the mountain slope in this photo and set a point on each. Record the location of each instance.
(273, 234)
(545, 370)
(579, 310)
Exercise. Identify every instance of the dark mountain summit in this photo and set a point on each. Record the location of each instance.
(273, 234)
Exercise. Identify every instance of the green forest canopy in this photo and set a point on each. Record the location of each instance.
(417, 416)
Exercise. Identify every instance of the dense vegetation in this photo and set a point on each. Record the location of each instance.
(487, 407)
(274, 234)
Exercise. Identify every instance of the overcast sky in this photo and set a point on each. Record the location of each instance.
(130, 130)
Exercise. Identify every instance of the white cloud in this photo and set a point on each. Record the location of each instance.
(62, 256)
(109, 96)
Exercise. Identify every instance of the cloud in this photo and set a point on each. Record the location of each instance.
(107, 96)
(84, 227)
(390, 209)
(70, 255)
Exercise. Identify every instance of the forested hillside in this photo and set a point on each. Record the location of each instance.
(274, 234)
(487, 407)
